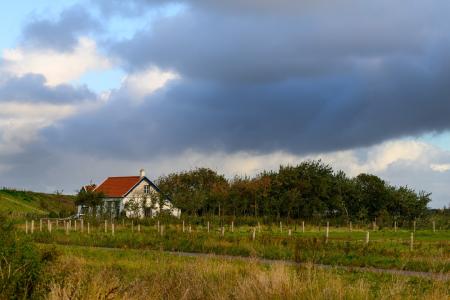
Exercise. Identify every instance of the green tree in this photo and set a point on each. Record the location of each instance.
(91, 199)
(194, 191)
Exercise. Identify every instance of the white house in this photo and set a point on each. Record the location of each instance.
(137, 196)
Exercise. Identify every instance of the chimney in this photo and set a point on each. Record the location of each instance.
(142, 173)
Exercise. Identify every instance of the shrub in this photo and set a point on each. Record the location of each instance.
(20, 263)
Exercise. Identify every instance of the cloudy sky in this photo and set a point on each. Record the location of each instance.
(97, 88)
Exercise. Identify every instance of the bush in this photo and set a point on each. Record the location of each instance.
(53, 214)
(21, 263)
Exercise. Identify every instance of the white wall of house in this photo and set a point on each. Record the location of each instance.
(151, 203)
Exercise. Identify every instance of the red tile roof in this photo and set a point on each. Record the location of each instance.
(117, 186)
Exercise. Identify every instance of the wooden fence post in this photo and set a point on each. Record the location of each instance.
(395, 226)
(412, 241)
(254, 234)
(351, 228)
(67, 228)
(190, 228)
(414, 226)
(40, 225)
(112, 228)
(223, 230)
(208, 226)
(303, 226)
(49, 226)
(106, 226)
(88, 229)
(82, 225)
(232, 226)
(26, 226)
(327, 232)
(75, 225)
(289, 232)
(183, 225)
(139, 227)
(367, 237)
(434, 226)
(32, 226)
(281, 227)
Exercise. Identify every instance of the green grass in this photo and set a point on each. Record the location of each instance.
(386, 250)
(10, 203)
(85, 272)
(19, 204)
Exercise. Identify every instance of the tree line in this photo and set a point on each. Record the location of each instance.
(309, 190)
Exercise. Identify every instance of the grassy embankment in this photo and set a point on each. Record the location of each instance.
(21, 204)
(386, 249)
(90, 273)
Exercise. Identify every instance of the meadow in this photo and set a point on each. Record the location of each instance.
(429, 251)
(26, 204)
(93, 273)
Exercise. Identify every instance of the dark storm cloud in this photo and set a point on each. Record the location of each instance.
(61, 34)
(295, 115)
(256, 75)
(302, 76)
(306, 77)
(32, 88)
(264, 48)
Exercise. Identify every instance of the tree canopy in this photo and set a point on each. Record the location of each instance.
(310, 189)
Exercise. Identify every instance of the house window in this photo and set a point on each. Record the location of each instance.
(148, 211)
(146, 189)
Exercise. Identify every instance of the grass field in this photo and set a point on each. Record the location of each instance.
(92, 273)
(386, 249)
(19, 204)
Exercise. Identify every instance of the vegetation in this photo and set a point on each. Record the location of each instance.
(311, 190)
(21, 263)
(386, 249)
(21, 204)
(90, 199)
(92, 273)
(275, 215)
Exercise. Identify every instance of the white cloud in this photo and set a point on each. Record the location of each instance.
(440, 167)
(144, 83)
(20, 123)
(376, 159)
(380, 157)
(57, 67)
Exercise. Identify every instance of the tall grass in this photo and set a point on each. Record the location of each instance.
(126, 274)
(384, 252)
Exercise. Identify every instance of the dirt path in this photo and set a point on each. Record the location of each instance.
(431, 275)
(437, 276)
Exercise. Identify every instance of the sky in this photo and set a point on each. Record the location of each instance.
(98, 88)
